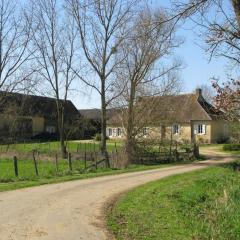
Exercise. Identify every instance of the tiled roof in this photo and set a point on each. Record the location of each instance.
(31, 105)
(181, 108)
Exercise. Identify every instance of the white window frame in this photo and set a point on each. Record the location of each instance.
(119, 132)
(200, 129)
(145, 131)
(110, 132)
(176, 129)
(51, 129)
(114, 132)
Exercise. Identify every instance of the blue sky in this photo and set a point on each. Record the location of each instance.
(197, 71)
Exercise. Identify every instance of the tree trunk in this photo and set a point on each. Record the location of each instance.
(130, 138)
(62, 143)
(104, 152)
(60, 116)
(236, 7)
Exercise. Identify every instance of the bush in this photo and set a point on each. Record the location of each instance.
(234, 165)
(98, 137)
(45, 136)
(231, 147)
(223, 140)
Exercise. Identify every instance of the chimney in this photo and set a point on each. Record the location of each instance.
(199, 92)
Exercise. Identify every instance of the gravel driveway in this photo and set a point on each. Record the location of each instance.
(74, 210)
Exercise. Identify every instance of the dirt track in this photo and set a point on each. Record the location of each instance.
(73, 210)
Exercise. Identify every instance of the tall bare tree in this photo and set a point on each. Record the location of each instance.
(219, 23)
(54, 41)
(100, 27)
(144, 70)
(15, 35)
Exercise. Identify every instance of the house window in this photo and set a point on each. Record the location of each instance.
(114, 132)
(119, 131)
(200, 129)
(176, 129)
(145, 131)
(110, 132)
(50, 129)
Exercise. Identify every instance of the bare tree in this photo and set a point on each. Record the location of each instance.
(54, 41)
(208, 92)
(219, 25)
(144, 70)
(219, 22)
(15, 35)
(100, 27)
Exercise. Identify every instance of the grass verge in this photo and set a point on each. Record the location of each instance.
(204, 204)
(16, 183)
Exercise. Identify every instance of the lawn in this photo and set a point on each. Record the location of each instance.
(53, 146)
(204, 204)
(48, 170)
(232, 148)
(48, 174)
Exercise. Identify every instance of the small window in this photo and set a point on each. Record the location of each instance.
(145, 131)
(200, 129)
(50, 129)
(110, 132)
(114, 132)
(176, 129)
(119, 131)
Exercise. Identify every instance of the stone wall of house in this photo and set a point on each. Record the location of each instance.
(219, 131)
(15, 127)
(38, 125)
(196, 131)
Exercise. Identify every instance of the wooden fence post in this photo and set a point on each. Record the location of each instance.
(96, 163)
(56, 162)
(85, 156)
(35, 163)
(15, 164)
(70, 161)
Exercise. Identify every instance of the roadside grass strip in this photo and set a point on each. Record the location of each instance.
(204, 204)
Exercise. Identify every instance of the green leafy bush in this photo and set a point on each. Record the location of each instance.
(98, 137)
(231, 147)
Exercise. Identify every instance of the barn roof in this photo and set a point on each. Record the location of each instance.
(32, 105)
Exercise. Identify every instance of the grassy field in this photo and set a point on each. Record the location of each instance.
(48, 171)
(203, 204)
(48, 147)
(8, 181)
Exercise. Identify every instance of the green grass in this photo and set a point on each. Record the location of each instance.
(231, 148)
(204, 204)
(48, 174)
(48, 147)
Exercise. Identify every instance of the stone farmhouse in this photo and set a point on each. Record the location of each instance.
(25, 116)
(185, 117)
